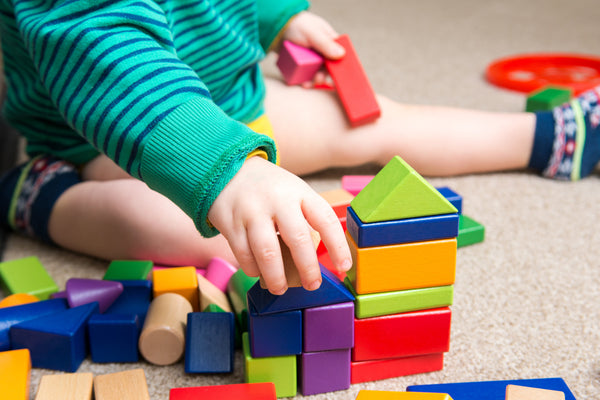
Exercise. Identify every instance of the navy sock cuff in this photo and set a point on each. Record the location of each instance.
(543, 141)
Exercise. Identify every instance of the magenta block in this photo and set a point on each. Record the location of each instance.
(83, 291)
(355, 183)
(298, 64)
(324, 371)
(218, 272)
(328, 327)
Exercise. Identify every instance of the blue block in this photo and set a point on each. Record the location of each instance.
(278, 334)
(57, 341)
(454, 198)
(114, 337)
(135, 299)
(209, 344)
(10, 316)
(332, 291)
(400, 230)
(491, 390)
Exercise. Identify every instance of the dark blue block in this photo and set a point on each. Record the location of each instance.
(401, 230)
(278, 334)
(209, 343)
(332, 291)
(114, 337)
(57, 341)
(10, 316)
(135, 299)
(491, 390)
(454, 198)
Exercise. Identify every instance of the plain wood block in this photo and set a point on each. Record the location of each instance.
(135, 299)
(324, 371)
(415, 333)
(276, 334)
(114, 338)
(298, 64)
(209, 346)
(130, 385)
(15, 370)
(18, 299)
(328, 327)
(162, 341)
(180, 280)
(387, 395)
(402, 266)
(515, 392)
(66, 387)
(281, 370)
(491, 390)
(400, 231)
(353, 86)
(237, 290)
(27, 275)
(245, 391)
(401, 301)
(548, 97)
(469, 231)
(331, 291)
(219, 272)
(339, 200)
(355, 183)
(127, 270)
(82, 291)
(374, 370)
(210, 294)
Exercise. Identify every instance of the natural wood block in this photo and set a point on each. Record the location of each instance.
(210, 294)
(130, 385)
(339, 200)
(515, 392)
(66, 387)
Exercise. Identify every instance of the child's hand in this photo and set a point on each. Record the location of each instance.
(309, 30)
(263, 199)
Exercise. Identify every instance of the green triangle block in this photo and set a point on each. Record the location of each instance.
(469, 231)
(399, 192)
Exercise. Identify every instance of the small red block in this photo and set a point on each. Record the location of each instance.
(246, 391)
(366, 371)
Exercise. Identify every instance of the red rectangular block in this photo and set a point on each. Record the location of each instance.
(248, 391)
(353, 86)
(402, 335)
(366, 371)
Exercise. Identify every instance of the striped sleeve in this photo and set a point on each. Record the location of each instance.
(273, 15)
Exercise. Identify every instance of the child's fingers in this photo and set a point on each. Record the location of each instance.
(264, 244)
(242, 252)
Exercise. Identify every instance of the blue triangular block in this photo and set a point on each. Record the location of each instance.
(135, 299)
(332, 291)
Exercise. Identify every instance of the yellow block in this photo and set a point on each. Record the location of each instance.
(515, 392)
(210, 294)
(18, 299)
(15, 368)
(384, 395)
(180, 280)
(66, 387)
(402, 266)
(130, 385)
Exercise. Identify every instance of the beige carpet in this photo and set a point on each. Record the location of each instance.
(526, 300)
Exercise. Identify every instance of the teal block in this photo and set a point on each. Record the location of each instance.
(547, 98)
(469, 231)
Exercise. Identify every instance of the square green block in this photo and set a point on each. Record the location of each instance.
(547, 98)
(124, 270)
(280, 370)
(469, 231)
(401, 301)
(27, 275)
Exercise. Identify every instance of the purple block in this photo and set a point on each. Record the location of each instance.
(83, 291)
(298, 64)
(219, 272)
(324, 371)
(328, 327)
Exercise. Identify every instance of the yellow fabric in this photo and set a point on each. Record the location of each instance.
(262, 125)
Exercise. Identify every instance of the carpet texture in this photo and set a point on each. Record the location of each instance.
(526, 300)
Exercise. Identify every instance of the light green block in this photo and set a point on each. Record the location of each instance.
(237, 289)
(280, 370)
(122, 270)
(398, 192)
(386, 303)
(547, 98)
(27, 275)
(469, 231)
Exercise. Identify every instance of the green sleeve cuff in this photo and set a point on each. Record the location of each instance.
(273, 15)
(194, 152)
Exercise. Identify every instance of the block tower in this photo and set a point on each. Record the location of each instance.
(402, 235)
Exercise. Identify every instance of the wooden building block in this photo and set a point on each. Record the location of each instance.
(281, 370)
(469, 231)
(130, 385)
(209, 346)
(27, 275)
(386, 395)
(210, 294)
(114, 337)
(353, 86)
(339, 200)
(162, 341)
(355, 183)
(66, 387)
(180, 280)
(324, 371)
(219, 272)
(417, 229)
(397, 192)
(337, 320)
(245, 391)
(332, 291)
(135, 299)
(415, 333)
(56, 341)
(491, 390)
(401, 301)
(548, 97)
(516, 392)
(82, 291)
(454, 198)
(15, 369)
(298, 64)
(127, 270)
(237, 290)
(367, 371)
(402, 266)
(277, 334)
(18, 299)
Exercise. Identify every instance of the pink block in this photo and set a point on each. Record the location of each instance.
(219, 272)
(355, 183)
(298, 64)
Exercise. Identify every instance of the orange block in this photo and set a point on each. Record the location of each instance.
(385, 395)
(402, 266)
(17, 299)
(15, 368)
(180, 280)
(339, 200)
